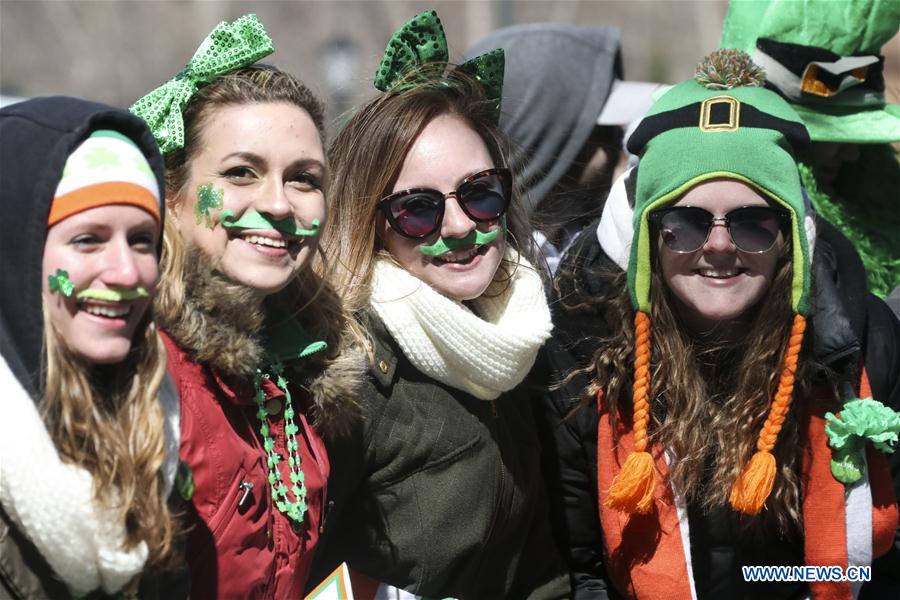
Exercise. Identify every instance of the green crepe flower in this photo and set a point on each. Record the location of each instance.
(60, 283)
(860, 422)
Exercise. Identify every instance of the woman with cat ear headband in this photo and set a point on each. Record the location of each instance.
(438, 492)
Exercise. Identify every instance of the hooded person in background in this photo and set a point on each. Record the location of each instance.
(824, 58)
(566, 109)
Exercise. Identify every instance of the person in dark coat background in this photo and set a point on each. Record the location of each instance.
(565, 106)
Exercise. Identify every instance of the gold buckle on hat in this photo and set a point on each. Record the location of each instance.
(812, 84)
(734, 114)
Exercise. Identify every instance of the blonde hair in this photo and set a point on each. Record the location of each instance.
(308, 292)
(110, 422)
(368, 154)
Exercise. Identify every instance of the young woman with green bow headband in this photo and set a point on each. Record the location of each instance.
(253, 334)
(439, 491)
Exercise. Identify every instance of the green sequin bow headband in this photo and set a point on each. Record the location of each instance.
(420, 41)
(230, 46)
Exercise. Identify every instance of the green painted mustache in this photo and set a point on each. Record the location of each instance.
(253, 219)
(113, 295)
(445, 245)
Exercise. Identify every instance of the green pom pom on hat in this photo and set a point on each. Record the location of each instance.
(747, 133)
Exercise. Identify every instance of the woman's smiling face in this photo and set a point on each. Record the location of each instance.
(718, 283)
(265, 158)
(107, 249)
(445, 153)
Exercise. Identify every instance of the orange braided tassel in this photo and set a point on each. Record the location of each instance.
(754, 484)
(632, 489)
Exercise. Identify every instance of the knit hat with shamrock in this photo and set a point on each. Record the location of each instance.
(107, 168)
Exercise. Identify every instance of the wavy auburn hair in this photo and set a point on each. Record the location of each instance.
(367, 157)
(709, 399)
(109, 421)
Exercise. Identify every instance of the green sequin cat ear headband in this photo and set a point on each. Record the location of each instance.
(421, 41)
(228, 47)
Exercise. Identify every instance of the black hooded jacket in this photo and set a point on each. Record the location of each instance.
(846, 322)
(36, 138)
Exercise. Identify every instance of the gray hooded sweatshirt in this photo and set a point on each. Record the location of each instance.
(557, 80)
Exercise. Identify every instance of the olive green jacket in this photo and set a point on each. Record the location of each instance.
(440, 493)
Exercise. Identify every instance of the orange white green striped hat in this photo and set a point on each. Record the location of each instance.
(106, 168)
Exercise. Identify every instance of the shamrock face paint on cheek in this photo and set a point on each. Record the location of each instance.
(208, 198)
(100, 270)
(60, 283)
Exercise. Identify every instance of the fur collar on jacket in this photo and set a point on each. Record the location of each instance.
(221, 324)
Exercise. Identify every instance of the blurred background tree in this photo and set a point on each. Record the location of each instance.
(116, 50)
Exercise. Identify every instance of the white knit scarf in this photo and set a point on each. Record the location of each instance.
(485, 352)
(53, 502)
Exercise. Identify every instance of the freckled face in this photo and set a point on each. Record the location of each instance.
(266, 157)
(446, 152)
(105, 248)
(718, 283)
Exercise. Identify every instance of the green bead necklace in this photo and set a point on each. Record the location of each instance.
(296, 509)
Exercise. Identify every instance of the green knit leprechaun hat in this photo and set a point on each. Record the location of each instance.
(721, 124)
(823, 56)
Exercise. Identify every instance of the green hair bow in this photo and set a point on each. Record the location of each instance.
(230, 46)
(421, 40)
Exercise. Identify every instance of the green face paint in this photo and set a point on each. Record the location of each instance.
(208, 198)
(113, 295)
(60, 283)
(253, 219)
(445, 245)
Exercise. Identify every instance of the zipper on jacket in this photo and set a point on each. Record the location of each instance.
(501, 491)
(328, 507)
(498, 505)
(247, 487)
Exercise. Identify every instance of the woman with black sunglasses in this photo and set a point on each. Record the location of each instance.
(438, 491)
(717, 410)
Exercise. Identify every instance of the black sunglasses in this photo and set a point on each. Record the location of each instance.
(418, 212)
(753, 229)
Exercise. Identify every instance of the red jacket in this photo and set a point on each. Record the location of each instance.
(239, 544)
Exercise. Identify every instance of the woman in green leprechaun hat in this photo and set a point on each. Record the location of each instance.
(824, 57)
(699, 427)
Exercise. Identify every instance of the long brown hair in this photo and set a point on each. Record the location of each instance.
(709, 398)
(368, 154)
(109, 421)
(309, 293)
